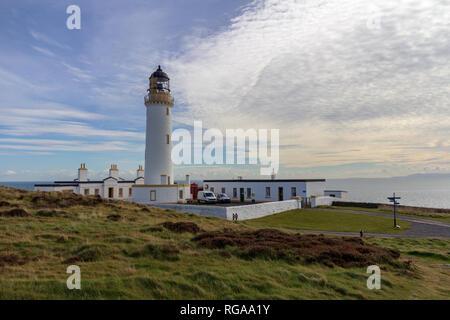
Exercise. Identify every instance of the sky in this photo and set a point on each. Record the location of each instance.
(357, 88)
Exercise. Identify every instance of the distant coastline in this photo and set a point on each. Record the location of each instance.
(26, 185)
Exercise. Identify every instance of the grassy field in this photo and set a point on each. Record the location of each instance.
(329, 221)
(125, 253)
(443, 217)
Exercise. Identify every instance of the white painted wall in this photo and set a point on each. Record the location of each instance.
(251, 211)
(91, 187)
(82, 174)
(158, 159)
(322, 201)
(336, 193)
(303, 189)
(103, 188)
(163, 194)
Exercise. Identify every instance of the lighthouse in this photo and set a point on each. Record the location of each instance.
(158, 144)
(159, 185)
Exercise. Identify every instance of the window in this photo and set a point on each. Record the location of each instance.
(234, 192)
(152, 195)
(167, 111)
(110, 192)
(168, 180)
(130, 192)
(86, 192)
(212, 189)
(167, 138)
(120, 192)
(267, 192)
(97, 192)
(249, 193)
(223, 190)
(293, 192)
(181, 195)
(206, 187)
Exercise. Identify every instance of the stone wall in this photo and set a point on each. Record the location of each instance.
(245, 212)
(322, 201)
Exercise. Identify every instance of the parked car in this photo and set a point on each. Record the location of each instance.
(206, 197)
(223, 198)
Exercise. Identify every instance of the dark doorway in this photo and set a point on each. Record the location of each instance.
(241, 194)
(280, 193)
(110, 192)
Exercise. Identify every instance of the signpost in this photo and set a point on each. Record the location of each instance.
(394, 200)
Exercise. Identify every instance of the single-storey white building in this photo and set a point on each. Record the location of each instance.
(112, 187)
(260, 190)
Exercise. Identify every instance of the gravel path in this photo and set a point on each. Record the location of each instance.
(420, 228)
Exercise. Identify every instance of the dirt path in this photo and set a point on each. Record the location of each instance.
(420, 228)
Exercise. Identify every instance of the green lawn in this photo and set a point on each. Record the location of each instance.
(326, 220)
(443, 217)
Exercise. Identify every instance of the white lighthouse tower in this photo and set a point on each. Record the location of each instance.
(159, 184)
(158, 147)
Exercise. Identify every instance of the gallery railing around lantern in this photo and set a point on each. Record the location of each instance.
(158, 97)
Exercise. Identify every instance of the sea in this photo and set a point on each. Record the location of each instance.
(432, 191)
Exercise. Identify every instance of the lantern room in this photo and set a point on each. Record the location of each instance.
(159, 82)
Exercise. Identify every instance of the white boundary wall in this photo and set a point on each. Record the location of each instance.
(251, 211)
(322, 201)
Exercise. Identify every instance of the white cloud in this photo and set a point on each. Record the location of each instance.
(46, 39)
(43, 51)
(61, 145)
(341, 90)
(54, 118)
(50, 111)
(80, 74)
(345, 92)
(9, 173)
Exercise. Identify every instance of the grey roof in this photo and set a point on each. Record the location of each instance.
(77, 183)
(56, 185)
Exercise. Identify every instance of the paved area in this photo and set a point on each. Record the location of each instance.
(420, 228)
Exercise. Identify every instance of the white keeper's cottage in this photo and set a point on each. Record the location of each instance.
(266, 190)
(112, 187)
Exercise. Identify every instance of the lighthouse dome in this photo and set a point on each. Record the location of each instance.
(160, 74)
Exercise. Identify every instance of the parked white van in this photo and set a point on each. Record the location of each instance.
(206, 197)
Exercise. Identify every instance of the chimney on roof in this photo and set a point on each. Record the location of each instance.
(140, 172)
(82, 173)
(273, 176)
(113, 171)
